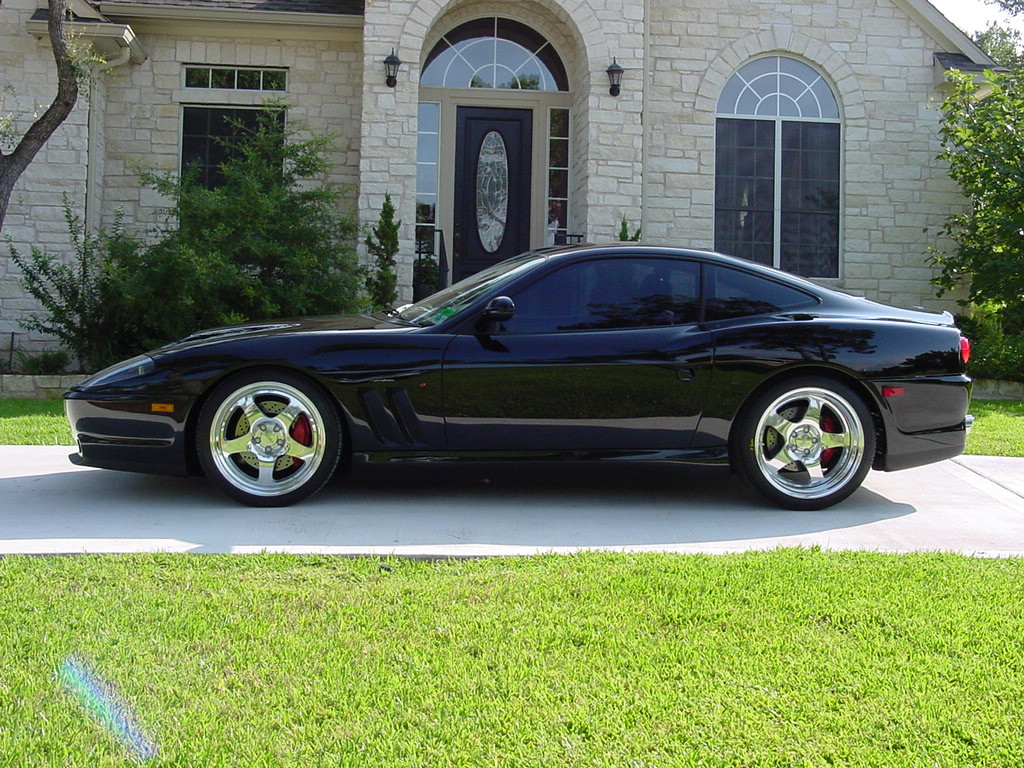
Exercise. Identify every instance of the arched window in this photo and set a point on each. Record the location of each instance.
(494, 53)
(777, 168)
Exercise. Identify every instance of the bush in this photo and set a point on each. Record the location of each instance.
(426, 272)
(382, 243)
(995, 353)
(624, 235)
(50, 363)
(266, 244)
(82, 310)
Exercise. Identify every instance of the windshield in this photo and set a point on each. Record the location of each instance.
(450, 301)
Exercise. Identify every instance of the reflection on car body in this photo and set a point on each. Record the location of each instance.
(604, 352)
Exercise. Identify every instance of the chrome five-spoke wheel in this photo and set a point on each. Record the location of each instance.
(268, 440)
(806, 444)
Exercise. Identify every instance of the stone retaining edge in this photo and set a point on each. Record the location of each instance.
(39, 387)
(989, 389)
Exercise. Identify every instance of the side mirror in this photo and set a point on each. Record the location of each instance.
(499, 310)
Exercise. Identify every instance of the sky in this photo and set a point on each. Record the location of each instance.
(975, 15)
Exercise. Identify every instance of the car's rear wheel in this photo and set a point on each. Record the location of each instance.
(268, 440)
(805, 443)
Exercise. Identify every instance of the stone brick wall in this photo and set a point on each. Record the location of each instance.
(387, 158)
(142, 120)
(880, 66)
(649, 154)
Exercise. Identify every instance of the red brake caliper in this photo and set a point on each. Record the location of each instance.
(828, 424)
(302, 433)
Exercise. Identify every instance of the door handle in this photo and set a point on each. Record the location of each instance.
(686, 374)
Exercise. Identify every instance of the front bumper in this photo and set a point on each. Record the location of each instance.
(119, 432)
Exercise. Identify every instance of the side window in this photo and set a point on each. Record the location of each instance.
(738, 294)
(609, 293)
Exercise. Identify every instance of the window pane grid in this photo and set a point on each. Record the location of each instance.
(777, 175)
(494, 53)
(427, 147)
(236, 78)
(745, 189)
(558, 176)
(776, 86)
(208, 135)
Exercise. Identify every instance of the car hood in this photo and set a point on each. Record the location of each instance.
(287, 326)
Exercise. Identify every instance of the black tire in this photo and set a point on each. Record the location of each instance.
(805, 443)
(268, 438)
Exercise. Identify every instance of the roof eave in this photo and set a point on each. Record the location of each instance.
(128, 10)
(110, 40)
(945, 32)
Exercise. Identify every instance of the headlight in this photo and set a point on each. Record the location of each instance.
(136, 367)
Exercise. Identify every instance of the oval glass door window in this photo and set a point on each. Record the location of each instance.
(492, 191)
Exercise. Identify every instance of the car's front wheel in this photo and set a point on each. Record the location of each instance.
(268, 440)
(805, 444)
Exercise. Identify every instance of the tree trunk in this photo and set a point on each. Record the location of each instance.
(14, 164)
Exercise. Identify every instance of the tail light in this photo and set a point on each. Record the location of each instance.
(965, 350)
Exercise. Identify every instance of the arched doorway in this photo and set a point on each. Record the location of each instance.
(493, 153)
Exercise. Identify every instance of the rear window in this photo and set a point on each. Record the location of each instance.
(733, 293)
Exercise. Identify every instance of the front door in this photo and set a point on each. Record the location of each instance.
(493, 158)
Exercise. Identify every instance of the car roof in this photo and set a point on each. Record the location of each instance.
(574, 252)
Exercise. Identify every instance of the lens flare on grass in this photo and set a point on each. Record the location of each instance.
(99, 698)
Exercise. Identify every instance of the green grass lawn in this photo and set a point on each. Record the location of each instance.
(33, 422)
(787, 658)
(998, 431)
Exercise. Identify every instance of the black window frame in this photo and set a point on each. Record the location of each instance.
(215, 147)
(211, 77)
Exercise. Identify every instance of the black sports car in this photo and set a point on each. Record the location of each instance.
(617, 352)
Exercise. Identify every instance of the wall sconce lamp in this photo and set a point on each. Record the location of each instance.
(391, 65)
(614, 77)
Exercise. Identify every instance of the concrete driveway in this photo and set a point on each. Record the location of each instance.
(973, 505)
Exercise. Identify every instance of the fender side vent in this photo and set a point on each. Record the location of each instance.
(393, 421)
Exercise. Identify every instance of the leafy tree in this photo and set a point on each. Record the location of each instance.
(984, 145)
(14, 162)
(382, 243)
(1004, 45)
(1010, 6)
